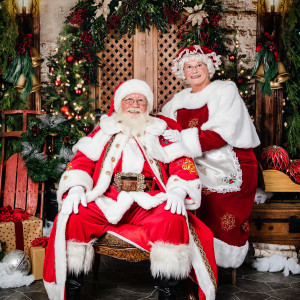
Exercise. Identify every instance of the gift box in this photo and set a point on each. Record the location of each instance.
(31, 229)
(37, 256)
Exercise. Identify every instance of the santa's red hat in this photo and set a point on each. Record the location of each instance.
(128, 87)
(196, 52)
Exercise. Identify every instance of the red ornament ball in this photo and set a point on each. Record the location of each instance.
(240, 80)
(78, 91)
(293, 170)
(274, 157)
(70, 58)
(57, 82)
(86, 129)
(65, 109)
(77, 117)
(232, 57)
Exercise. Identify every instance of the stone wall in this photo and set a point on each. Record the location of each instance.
(239, 15)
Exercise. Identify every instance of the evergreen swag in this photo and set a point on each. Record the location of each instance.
(291, 42)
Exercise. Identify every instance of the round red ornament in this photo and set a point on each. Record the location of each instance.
(78, 91)
(65, 109)
(85, 129)
(57, 82)
(293, 170)
(232, 57)
(77, 117)
(274, 157)
(240, 80)
(70, 58)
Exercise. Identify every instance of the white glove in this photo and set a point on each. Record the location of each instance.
(76, 195)
(172, 135)
(175, 201)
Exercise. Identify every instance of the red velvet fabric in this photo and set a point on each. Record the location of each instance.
(227, 215)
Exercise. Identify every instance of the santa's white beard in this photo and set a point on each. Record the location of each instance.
(133, 125)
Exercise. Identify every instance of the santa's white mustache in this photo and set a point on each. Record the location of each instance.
(134, 109)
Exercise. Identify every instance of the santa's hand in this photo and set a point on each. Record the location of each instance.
(172, 135)
(175, 201)
(76, 195)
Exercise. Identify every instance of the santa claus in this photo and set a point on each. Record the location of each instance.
(124, 177)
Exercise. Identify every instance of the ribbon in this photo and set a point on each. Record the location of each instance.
(7, 214)
(40, 242)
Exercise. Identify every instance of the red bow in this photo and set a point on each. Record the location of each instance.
(40, 242)
(7, 214)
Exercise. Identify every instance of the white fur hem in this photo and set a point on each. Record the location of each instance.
(114, 210)
(169, 260)
(201, 272)
(80, 257)
(228, 256)
(190, 138)
(54, 291)
(72, 178)
(192, 188)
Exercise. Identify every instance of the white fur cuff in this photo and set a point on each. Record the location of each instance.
(169, 260)
(228, 256)
(72, 178)
(190, 138)
(192, 188)
(80, 257)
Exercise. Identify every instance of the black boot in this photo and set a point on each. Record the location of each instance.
(167, 288)
(73, 286)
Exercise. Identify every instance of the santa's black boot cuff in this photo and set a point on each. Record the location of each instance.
(167, 288)
(73, 286)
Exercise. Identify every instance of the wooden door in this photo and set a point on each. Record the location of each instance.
(146, 56)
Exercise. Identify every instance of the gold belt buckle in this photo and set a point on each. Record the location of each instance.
(140, 181)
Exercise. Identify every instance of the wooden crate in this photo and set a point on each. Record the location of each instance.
(276, 223)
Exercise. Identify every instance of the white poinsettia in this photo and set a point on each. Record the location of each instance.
(103, 8)
(196, 14)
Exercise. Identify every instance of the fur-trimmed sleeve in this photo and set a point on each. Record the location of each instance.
(183, 174)
(79, 172)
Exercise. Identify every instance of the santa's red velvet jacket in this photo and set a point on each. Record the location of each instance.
(100, 155)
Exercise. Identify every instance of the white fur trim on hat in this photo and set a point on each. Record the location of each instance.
(212, 60)
(130, 87)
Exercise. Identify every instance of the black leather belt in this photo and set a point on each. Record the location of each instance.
(132, 182)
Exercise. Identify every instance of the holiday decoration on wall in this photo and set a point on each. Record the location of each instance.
(46, 146)
(274, 157)
(268, 70)
(291, 44)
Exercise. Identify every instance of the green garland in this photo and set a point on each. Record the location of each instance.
(291, 42)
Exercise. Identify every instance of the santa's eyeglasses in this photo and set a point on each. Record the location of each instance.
(139, 102)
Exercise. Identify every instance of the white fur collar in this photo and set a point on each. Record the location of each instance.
(228, 115)
(186, 99)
